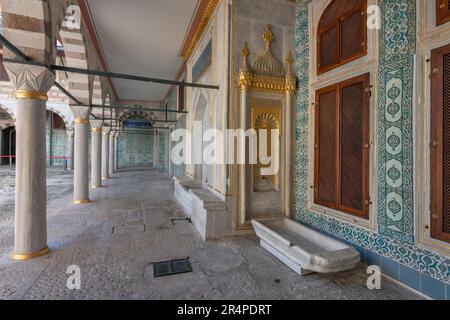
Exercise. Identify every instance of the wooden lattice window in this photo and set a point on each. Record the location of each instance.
(342, 34)
(442, 11)
(440, 144)
(342, 146)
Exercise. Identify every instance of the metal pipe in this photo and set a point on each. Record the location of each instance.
(163, 121)
(136, 109)
(28, 60)
(115, 75)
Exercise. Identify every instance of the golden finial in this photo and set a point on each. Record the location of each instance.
(245, 52)
(268, 35)
(289, 59)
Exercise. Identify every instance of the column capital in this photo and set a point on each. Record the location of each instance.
(30, 82)
(96, 125)
(70, 133)
(106, 131)
(81, 114)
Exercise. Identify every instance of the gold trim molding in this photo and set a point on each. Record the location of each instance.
(81, 121)
(96, 130)
(81, 201)
(29, 256)
(248, 80)
(32, 95)
(206, 17)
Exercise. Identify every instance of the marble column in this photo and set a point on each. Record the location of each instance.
(111, 152)
(70, 137)
(96, 154)
(81, 155)
(31, 84)
(116, 152)
(105, 152)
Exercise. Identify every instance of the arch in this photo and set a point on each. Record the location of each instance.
(75, 51)
(67, 122)
(341, 34)
(107, 99)
(58, 121)
(7, 118)
(8, 111)
(37, 33)
(97, 92)
(201, 113)
(150, 116)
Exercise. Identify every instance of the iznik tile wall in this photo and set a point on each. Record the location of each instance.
(163, 162)
(393, 247)
(56, 146)
(135, 150)
(58, 140)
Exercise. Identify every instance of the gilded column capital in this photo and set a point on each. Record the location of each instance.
(291, 84)
(96, 125)
(81, 114)
(30, 82)
(245, 80)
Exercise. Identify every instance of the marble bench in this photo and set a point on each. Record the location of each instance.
(208, 213)
(302, 249)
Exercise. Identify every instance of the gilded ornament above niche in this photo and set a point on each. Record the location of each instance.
(267, 72)
(267, 64)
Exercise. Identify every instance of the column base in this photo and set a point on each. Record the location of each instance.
(82, 201)
(29, 256)
(105, 178)
(96, 187)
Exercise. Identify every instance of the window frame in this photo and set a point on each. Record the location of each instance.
(365, 186)
(442, 13)
(338, 25)
(436, 145)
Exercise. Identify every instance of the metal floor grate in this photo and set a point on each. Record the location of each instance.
(172, 267)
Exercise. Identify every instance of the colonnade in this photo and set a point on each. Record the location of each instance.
(31, 84)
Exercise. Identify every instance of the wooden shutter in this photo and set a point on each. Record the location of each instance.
(342, 146)
(329, 49)
(326, 147)
(442, 11)
(341, 34)
(440, 144)
(353, 178)
(353, 35)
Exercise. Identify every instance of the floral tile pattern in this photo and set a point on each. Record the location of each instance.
(395, 238)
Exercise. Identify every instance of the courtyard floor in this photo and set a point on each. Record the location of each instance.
(115, 240)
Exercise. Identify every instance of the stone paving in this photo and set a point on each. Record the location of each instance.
(115, 240)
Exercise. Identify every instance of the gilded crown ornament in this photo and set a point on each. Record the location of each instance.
(267, 73)
(267, 64)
